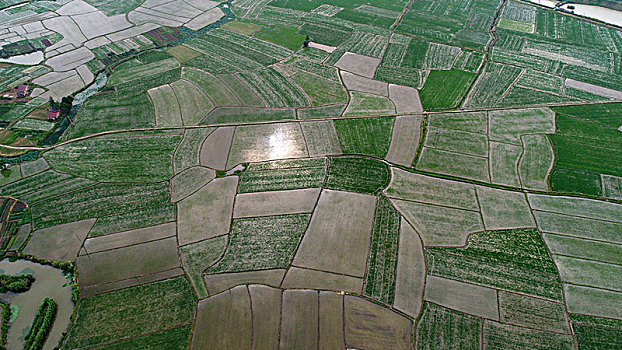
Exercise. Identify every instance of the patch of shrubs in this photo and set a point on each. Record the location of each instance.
(15, 283)
(41, 325)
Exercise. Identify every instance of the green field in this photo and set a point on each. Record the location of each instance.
(445, 89)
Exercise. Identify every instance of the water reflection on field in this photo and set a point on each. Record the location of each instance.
(49, 282)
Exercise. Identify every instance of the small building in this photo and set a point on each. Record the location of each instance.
(53, 114)
(22, 90)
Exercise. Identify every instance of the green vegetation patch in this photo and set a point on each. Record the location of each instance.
(113, 7)
(440, 325)
(357, 174)
(227, 115)
(515, 260)
(187, 153)
(183, 53)
(282, 35)
(586, 138)
(15, 283)
(132, 158)
(246, 28)
(107, 112)
(262, 243)
(129, 220)
(320, 91)
(132, 312)
(98, 201)
(41, 325)
(196, 257)
(444, 89)
(170, 339)
(369, 136)
(283, 175)
(382, 260)
(503, 336)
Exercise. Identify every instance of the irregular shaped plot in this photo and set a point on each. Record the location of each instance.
(275, 203)
(205, 19)
(358, 64)
(70, 60)
(590, 273)
(508, 125)
(405, 98)
(583, 248)
(504, 159)
(536, 162)
(262, 243)
(360, 83)
(61, 243)
(187, 153)
(404, 140)
(167, 109)
(427, 189)
(309, 173)
(366, 104)
(189, 181)
(219, 282)
(439, 225)
(257, 143)
(337, 239)
(224, 321)
(370, 326)
(193, 102)
(410, 272)
(214, 88)
(357, 174)
(612, 186)
(468, 298)
(215, 149)
(579, 227)
(312, 279)
(207, 212)
(196, 257)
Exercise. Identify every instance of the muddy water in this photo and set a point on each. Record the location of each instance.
(49, 282)
(28, 59)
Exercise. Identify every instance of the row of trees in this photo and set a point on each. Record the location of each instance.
(41, 325)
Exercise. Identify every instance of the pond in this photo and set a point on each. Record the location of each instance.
(49, 282)
(28, 59)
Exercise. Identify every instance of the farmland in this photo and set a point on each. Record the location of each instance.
(431, 174)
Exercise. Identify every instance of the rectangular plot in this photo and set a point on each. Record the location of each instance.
(299, 326)
(129, 220)
(508, 125)
(573, 206)
(440, 325)
(382, 260)
(612, 186)
(274, 88)
(500, 336)
(275, 203)
(127, 238)
(521, 310)
(456, 164)
(474, 122)
(582, 248)
(218, 92)
(589, 273)
(321, 138)
(283, 179)
(266, 307)
(468, 298)
(257, 143)
(111, 266)
(331, 321)
(369, 136)
(593, 301)
(579, 227)
(337, 239)
(457, 141)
